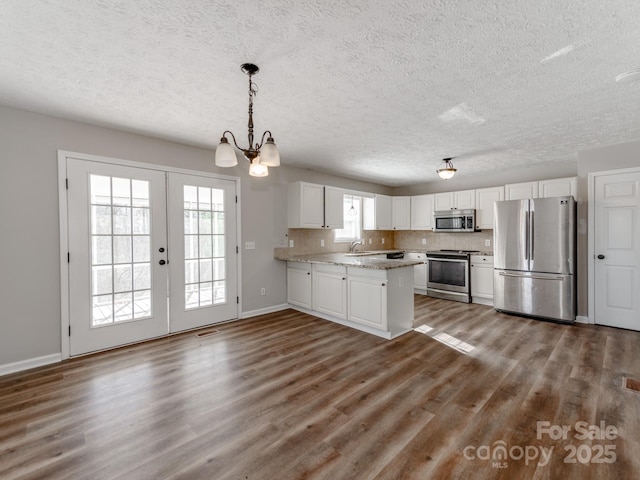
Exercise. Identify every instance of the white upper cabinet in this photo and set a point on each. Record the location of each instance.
(465, 199)
(520, 191)
(485, 198)
(333, 207)
(382, 212)
(462, 200)
(422, 212)
(314, 206)
(558, 187)
(443, 201)
(401, 213)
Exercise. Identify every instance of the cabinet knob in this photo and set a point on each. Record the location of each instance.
(344, 278)
(384, 284)
(308, 273)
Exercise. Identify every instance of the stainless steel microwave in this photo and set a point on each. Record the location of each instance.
(454, 221)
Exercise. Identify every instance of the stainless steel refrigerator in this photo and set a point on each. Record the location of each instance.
(534, 257)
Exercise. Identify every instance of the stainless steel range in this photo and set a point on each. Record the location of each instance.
(448, 274)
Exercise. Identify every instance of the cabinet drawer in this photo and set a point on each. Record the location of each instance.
(327, 268)
(482, 260)
(367, 272)
(299, 266)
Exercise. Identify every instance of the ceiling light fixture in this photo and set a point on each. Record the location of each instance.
(263, 154)
(446, 171)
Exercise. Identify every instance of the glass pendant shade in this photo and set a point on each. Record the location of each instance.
(447, 171)
(269, 154)
(257, 169)
(225, 154)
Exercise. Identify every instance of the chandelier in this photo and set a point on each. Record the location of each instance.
(446, 171)
(263, 154)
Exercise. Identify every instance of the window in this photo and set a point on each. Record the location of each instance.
(352, 208)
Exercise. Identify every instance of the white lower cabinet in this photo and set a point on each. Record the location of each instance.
(368, 301)
(419, 271)
(376, 301)
(330, 290)
(299, 284)
(482, 279)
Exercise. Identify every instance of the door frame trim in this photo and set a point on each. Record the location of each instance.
(63, 220)
(591, 238)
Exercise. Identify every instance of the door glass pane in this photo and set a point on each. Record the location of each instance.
(120, 250)
(204, 255)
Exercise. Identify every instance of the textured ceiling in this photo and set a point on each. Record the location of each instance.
(380, 91)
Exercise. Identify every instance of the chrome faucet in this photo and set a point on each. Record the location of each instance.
(352, 245)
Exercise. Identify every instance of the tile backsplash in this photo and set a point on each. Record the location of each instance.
(309, 241)
(412, 239)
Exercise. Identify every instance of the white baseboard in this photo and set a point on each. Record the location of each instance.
(265, 310)
(582, 319)
(30, 363)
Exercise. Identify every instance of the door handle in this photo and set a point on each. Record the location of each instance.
(535, 277)
(526, 236)
(600, 257)
(162, 262)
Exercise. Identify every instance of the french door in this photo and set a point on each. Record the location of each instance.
(202, 237)
(150, 252)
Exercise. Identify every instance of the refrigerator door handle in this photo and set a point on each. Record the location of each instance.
(526, 236)
(536, 277)
(531, 227)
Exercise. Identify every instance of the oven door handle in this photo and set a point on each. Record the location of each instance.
(448, 259)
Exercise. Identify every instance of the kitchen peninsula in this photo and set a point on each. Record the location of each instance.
(368, 292)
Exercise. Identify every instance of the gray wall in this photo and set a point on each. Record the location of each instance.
(29, 253)
(624, 155)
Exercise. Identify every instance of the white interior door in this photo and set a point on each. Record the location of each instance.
(617, 250)
(117, 241)
(202, 251)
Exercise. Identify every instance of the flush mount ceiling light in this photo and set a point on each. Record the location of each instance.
(446, 171)
(263, 154)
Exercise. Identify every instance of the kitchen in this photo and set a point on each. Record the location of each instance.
(447, 237)
(365, 98)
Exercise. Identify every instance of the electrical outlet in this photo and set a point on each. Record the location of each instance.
(424, 241)
(487, 243)
(263, 291)
(383, 241)
(322, 243)
(370, 240)
(249, 245)
(290, 243)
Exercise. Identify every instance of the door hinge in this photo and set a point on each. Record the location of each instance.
(238, 300)
(68, 257)
(66, 181)
(237, 250)
(236, 198)
(69, 330)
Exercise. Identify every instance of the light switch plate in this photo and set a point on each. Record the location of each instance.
(424, 241)
(383, 241)
(322, 243)
(487, 243)
(249, 245)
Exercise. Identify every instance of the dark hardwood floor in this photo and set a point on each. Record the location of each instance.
(290, 396)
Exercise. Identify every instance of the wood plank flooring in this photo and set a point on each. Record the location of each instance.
(291, 396)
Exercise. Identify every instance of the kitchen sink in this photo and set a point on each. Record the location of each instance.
(359, 254)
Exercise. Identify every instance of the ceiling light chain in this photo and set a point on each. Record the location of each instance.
(263, 154)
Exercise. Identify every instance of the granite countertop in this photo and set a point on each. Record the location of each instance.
(364, 260)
